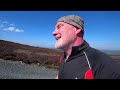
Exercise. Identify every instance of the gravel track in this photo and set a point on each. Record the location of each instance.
(18, 70)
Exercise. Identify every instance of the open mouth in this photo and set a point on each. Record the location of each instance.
(57, 38)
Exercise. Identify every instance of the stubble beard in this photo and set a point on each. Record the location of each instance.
(60, 45)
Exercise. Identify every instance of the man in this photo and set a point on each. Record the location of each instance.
(80, 61)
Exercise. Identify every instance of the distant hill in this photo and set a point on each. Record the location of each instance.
(29, 54)
(111, 52)
(115, 54)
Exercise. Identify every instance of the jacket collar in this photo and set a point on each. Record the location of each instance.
(78, 50)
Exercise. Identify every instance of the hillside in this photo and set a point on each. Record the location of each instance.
(37, 55)
(29, 54)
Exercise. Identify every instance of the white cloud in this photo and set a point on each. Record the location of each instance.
(13, 29)
(18, 30)
(10, 29)
(6, 26)
(12, 24)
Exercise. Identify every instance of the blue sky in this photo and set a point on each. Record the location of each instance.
(102, 28)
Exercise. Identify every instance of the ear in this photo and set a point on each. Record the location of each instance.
(78, 31)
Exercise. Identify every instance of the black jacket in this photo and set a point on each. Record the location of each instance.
(88, 63)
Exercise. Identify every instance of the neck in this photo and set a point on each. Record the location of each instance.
(68, 50)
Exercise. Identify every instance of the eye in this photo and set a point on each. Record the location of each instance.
(59, 26)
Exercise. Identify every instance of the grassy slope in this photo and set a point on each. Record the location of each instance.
(29, 54)
(42, 56)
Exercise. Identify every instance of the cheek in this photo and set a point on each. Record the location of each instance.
(68, 36)
(67, 33)
(71, 33)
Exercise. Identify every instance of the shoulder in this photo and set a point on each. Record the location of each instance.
(103, 65)
(98, 55)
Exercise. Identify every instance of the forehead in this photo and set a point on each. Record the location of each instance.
(59, 23)
(62, 23)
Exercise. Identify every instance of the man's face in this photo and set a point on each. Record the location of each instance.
(65, 35)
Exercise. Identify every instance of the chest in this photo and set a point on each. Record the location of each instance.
(74, 68)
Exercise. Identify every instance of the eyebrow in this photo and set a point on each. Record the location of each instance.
(60, 24)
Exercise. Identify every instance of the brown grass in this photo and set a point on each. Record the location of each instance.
(29, 54)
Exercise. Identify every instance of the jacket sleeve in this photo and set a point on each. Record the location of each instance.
(109, 71)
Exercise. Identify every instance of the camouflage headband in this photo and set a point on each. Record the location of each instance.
(73, 20)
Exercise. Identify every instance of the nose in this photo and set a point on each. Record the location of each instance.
(55, 32)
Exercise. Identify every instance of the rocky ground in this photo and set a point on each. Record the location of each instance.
(18, 70)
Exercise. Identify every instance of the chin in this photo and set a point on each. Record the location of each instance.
(58, 46)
